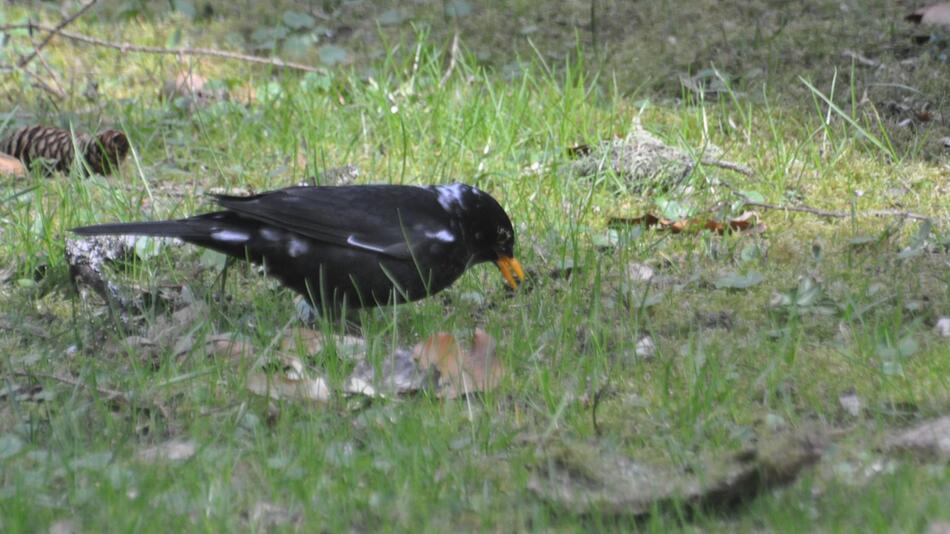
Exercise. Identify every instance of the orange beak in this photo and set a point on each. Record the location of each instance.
(510, 268)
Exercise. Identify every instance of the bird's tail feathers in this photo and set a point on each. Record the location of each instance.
(183, 229)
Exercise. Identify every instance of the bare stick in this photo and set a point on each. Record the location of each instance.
(52, 73)
(36, 50)
(728, 165)
(841, 214)
(129, 47)
(453, 55)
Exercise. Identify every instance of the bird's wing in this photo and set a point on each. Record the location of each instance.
(384, 219)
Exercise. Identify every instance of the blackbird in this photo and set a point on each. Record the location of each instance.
(353, 246)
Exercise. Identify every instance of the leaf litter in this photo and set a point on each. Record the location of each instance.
(439, 365)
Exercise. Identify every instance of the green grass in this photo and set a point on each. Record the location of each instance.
(712, 387)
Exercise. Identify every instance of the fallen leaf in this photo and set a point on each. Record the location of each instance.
(932, 15)
(308, 341)
(640, 272)
(397, 374)
(184, 84)
(460, 372)
(228, 346)
(10, 166)
(645, 348)
(943, 327)
(851, 403)
(291, 382)
(332, 54)
(173, 450)
(738, 281)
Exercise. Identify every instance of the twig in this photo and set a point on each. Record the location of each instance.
(129, 47)
(841, 214)
(111, 395)
(742, 169)
(36, 49)
(729, 165)
(37, 82)
(46, 66)
(453, 55)
(861, 59)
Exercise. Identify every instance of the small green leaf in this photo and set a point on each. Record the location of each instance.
(316, 81)
(174, 40)
(297, 20)
(749, 253)
(391, 17)
(892, 368)
(807, 292)
(184, 7)
(738, 281)
(332, 54)
(298, 46)
(907, 346)
(673, 210)
(272, 90)
(458, 8)
(752, 196)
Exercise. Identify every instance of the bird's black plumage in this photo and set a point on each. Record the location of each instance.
(359, 245)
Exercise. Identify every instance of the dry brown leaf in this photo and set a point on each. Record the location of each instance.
(292, 382)
(743, 223)
(228, 346)
(932, 15)
(10, 166)
(308, 341)
(460, 372)
(184, 84)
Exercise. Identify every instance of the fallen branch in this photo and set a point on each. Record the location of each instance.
(68, 20)
(129, 47)
(841, 214)
(52, 74)
(728, 165)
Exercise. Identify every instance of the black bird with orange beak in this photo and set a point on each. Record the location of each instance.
(353, 246)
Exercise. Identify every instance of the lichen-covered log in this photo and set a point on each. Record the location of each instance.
(102, 153)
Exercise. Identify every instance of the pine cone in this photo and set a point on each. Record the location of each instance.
(102, 153)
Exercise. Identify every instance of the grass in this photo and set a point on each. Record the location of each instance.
(728, 367)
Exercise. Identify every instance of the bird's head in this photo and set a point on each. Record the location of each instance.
(488, 232)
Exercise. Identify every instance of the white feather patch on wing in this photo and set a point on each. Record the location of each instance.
(441, 235)
(352, 240)
(230, 236)
(297, 247)
(449, 195)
